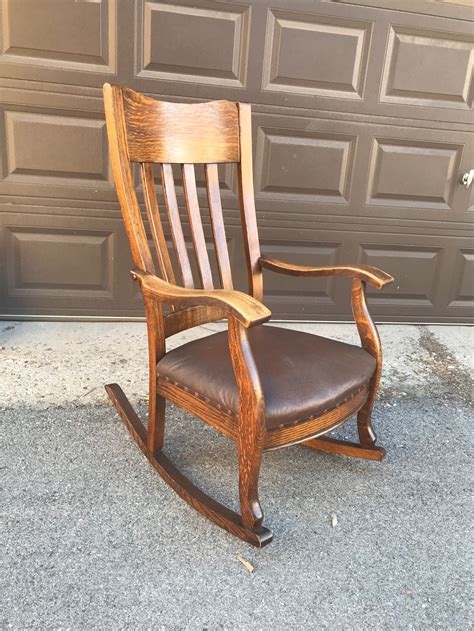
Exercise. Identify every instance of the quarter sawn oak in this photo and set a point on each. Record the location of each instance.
(146, 131)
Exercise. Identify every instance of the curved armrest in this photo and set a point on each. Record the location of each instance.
(371, 275)
(244, 308)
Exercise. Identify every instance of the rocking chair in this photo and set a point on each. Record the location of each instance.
(262, 386)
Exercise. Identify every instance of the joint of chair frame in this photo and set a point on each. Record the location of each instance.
(372, 275)
(246, 309)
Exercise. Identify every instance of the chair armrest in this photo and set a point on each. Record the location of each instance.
(244, 308)
(371, 275)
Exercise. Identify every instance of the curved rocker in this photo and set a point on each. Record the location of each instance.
(206, 505)
(145, 131)
(346, 448)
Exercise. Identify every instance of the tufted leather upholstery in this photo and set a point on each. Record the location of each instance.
(302, 375)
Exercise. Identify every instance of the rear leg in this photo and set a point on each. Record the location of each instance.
(367, 437)
(156, 350)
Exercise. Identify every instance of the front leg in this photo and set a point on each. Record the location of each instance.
(370, 341)
(251, 424)
(369, 337)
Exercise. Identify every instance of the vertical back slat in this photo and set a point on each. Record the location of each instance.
(174, 221)
(195, 223)
(154, 219)
(147, 131)
(247, 203)
(218, 229)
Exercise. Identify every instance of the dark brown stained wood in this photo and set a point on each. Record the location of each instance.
(156, 350)
(206, 505)
(367, 273)
(190, 307)
(154, 219)
(247, 203)
(246, 309)
(218, 229)
(119, 155)
(226, 423)
(370, 341)
(295, 434)
(189, 317)
(366, 328)
(218, 418)
(180, 133)
(195, 222)
(345, 448)
(174, 221)
(251, 423)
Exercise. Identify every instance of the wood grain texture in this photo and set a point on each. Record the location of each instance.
(345, 448)
(195, 223)
(294, 434)
(251, 423)
(243, 307)
(156, 226)
(156, 350)
(218, 229)
(179, 133)
(203, 503)
(118, 149)
(215, 416)
(247, 204)
(226, 422)
(174, 220)
(371, 275)
(370, 341)
(188, 317)
(141, 129)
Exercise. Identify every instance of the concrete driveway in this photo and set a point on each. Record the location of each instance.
(94, 539)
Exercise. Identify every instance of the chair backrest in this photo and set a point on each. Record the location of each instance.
(146, 131)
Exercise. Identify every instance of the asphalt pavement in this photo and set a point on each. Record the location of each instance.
(94, 539)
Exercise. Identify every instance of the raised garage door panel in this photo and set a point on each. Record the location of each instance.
(362, 129)
(58, 154)
(55, 266)
(67, 41)
(443, 72)
(380, 170)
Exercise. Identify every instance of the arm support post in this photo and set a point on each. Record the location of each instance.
(370, 341)
(242, 312)
(251, 432)
(369, 337)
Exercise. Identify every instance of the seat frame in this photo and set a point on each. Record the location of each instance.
(146, 131)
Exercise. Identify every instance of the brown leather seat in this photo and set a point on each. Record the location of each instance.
(302, 375)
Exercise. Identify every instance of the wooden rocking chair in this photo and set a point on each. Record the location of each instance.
(264, 387)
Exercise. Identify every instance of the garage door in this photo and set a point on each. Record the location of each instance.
(362, 119)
